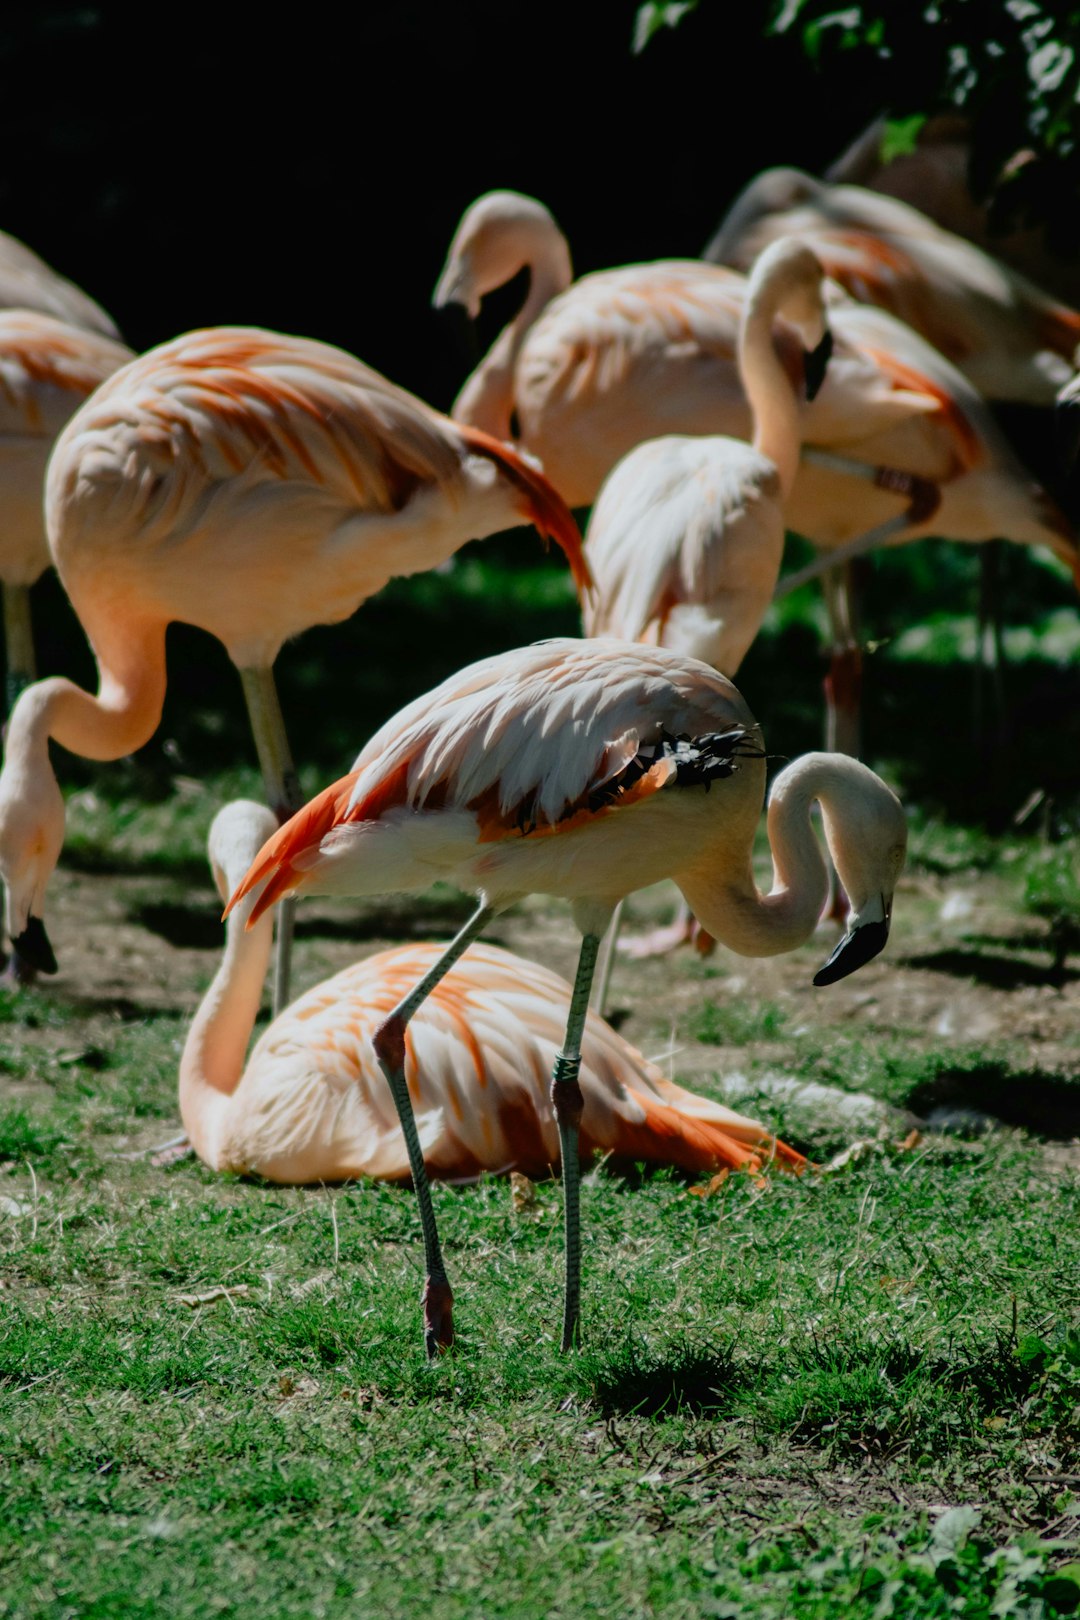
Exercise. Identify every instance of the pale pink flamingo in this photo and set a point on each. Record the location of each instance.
(585, 769)
(27, 282)
(897, 444)
(1008, 337)
(687, 535)
(251, 484)
(47, 369)
(310, 1103)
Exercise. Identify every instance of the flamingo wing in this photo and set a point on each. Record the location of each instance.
(47, 368)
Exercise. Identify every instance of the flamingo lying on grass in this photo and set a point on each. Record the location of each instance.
(311, 1104)
(47, 369)
(584, 769)
(253, 485)
(1008, 337)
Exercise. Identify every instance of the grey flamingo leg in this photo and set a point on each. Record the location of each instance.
(389, 1043)
(567, 1100)
(283, 795)
(21, 670)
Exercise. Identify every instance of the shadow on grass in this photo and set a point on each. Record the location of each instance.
(1034, 1099)
(684, 1380)
(996, 972)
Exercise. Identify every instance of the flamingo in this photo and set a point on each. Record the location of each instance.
(27, 282)
(687, 535)
(251, 484)
(47, 369)
(584, 769)
(897, 444)
(311, 1105)
(1008, 337)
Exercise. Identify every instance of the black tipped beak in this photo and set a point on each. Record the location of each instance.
(815, 364)
(33, 948)
(857, 947)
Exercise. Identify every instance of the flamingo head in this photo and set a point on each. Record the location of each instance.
(237, 833)
(31, 838)
(499, 234)
(866, 832)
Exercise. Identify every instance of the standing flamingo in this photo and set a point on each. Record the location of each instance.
(47, 369)
(897, 444)
(311, 1104)
(1008, 337)
(584, 769)
(253, 485)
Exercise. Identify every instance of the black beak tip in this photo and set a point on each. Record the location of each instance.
(33, 947)
(460, 328)
(1067, 433)
(815, 365)
(856, 948)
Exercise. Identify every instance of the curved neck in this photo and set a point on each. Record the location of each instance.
(120, 717)
(774, 403)
(216, 1046)
(725, 898)
(487, 399)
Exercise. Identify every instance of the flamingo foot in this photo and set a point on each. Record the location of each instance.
(19, 973)
(438, 1302)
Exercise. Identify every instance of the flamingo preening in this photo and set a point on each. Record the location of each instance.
(250, 484)
(311, 1104)
(1008, 337)
(584, 769)
(47, 369)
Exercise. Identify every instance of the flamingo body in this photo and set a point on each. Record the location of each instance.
(47, 369)
(1010, 339)
(593, 368)
(28, 283)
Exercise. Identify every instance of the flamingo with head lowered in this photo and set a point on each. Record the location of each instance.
(584, 769)
(310, 1103)
(250, 484)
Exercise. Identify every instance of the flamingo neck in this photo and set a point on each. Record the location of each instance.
(773, 401)
(724, 896)
(213, 1058)
(121, 716)
(487, 399)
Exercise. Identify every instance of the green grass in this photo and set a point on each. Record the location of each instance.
(855, 1393)
(782, 1388)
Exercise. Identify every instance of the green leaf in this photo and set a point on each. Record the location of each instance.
(901, 136)
(1062, 1591)
(1031, 1350)
(951, 1531)
(654, 16)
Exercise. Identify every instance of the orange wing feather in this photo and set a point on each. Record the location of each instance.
(541, 502)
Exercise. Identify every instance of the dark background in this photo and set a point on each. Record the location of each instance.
(193, 165)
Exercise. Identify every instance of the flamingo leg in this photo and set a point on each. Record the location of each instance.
(18, 641)
(21, 670)
(389, 1043)
(606, 961)
(568, 1103)
(284, 797)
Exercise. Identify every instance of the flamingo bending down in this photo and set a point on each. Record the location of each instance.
(311, 1103)
(584, 769)
(47, 369)
(1008, 337)
(27, 282)
(253, 485)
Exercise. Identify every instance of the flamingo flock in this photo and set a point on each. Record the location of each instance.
(830, 378)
